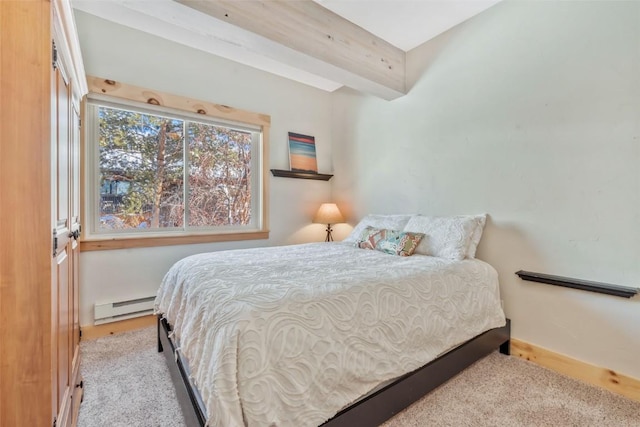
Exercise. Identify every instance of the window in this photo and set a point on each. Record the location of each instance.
(158, 172)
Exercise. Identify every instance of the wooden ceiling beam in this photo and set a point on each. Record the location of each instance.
(340, 50)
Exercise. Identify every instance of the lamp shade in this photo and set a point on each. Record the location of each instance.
(328, 213)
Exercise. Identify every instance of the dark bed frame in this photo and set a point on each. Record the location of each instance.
(375, 408)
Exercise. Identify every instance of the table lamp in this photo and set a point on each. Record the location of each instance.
(328, 213)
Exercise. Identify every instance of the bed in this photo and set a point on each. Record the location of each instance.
(322, 333)
(329, 334)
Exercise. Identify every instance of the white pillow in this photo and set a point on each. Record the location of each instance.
(389, 222)
(481, 220)
(445, 237)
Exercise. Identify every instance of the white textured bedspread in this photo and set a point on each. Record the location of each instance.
(288, 336)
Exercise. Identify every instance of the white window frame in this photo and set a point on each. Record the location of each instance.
(95, 239)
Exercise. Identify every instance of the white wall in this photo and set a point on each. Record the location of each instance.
(529, 112)
(119, 53)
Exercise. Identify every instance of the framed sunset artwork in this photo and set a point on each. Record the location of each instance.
(302, 153)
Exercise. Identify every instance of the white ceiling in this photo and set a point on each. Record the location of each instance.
(403, 23)
(407, 23)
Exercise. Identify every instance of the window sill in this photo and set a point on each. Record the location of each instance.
(150, 242)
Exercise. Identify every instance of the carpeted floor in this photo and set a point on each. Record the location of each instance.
(127, 384)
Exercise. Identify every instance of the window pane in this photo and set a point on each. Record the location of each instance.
(141, 170)
(219, 176)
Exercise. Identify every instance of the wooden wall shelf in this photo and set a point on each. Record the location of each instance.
(301, 175)
(585, 285)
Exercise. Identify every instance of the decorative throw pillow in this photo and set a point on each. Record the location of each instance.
(391, 222)
(448, 237)
(392, 242)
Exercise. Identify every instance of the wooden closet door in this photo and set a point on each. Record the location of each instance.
(26, 367)
(36, 304)
(62, 257)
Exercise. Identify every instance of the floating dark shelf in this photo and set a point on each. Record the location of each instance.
(301, 175)
(585, 285)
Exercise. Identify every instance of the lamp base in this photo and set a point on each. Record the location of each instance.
(329, 236)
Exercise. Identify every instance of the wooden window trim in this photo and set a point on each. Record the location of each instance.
(149, 242)
(128, 92)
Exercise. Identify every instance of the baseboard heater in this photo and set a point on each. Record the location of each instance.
(121, 310)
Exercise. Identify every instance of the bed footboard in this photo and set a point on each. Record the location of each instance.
(375, 408)
(389, 401)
